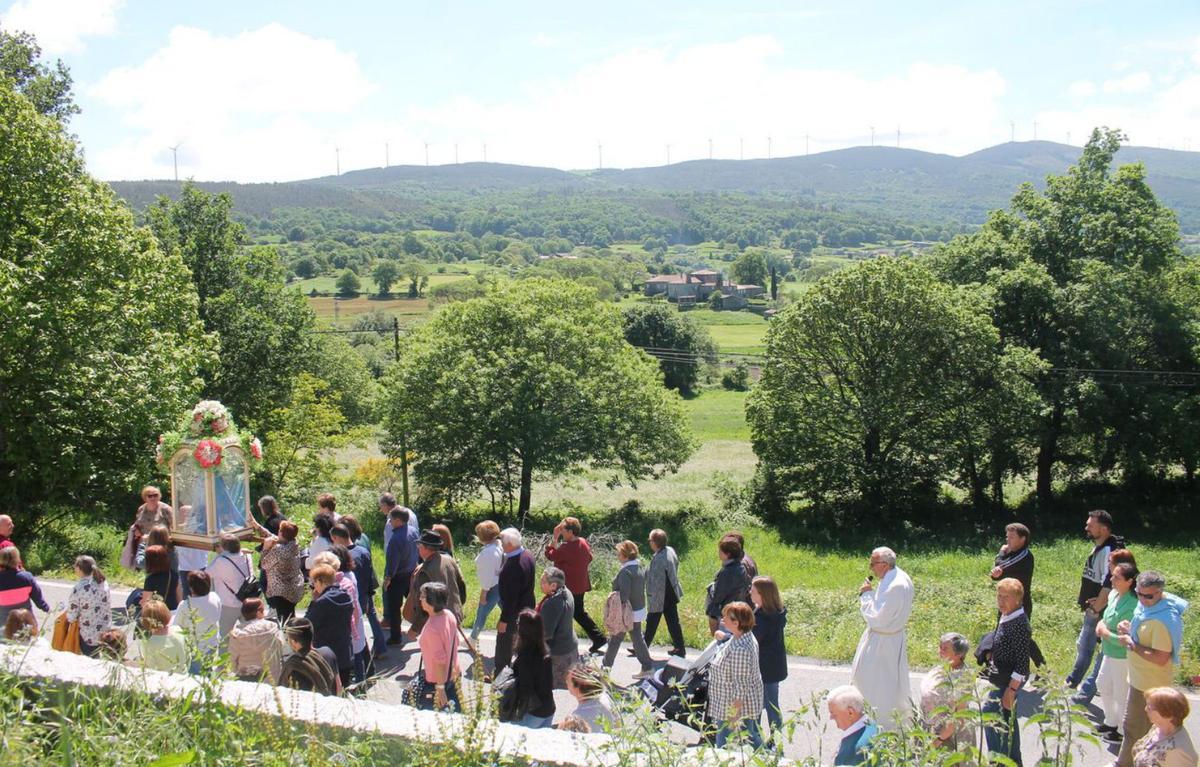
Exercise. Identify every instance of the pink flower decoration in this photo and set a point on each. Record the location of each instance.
(219, 426)
(256, 449)
(207, 454)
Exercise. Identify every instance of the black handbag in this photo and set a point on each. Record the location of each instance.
(420, 692)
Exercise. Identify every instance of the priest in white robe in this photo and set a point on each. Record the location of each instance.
(880, 668)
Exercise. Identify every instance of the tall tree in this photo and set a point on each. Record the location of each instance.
(680, 344)
(263, 326)
(867, 376)
(417, 275)
(48, 88)
(385, 273)
(750, 268)
(100, 340)
(1079, 273)
(533, 379)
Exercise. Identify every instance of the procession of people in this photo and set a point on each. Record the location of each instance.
(185, 620)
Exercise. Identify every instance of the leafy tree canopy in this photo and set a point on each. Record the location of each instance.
(680, 342)
(100, 338)
(867, 377)
(264, 327)
(533, 379)
(47, 88)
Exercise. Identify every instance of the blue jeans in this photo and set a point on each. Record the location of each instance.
(536, 722)
(485, 609)
(1085, 647)
(378, 640)
(726, 730)
(771, 704)
(1003, 739)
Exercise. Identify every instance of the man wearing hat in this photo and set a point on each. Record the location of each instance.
(439, 567)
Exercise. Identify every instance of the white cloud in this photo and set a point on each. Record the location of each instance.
(246, 106)
(61, 26)
(636, 102)
(1134, 83)
(1169, 117)
(271, 105)
(1082, 89)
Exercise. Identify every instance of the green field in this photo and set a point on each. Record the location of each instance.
(740, 332)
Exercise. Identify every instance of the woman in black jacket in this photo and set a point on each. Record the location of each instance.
(1007, 670)
(533, 671)
(770, 618)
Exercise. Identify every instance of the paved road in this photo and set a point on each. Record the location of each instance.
(806, 678)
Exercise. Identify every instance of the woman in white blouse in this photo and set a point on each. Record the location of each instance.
(488, 562)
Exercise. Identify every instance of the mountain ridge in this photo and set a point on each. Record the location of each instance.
(904, 183)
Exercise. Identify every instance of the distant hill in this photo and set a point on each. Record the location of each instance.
(904, 184)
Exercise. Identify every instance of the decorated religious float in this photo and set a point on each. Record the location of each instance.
(209, 463)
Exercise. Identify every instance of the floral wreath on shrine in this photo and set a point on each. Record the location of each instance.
(207, 430)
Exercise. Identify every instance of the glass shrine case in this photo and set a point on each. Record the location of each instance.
(209, 465)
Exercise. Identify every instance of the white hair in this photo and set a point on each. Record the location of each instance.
(959, 645)
(847, 697)
(510, 536)
(886, 555)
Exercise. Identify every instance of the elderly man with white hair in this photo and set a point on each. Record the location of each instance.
(847, 709)
(516, 593)
(880, 669)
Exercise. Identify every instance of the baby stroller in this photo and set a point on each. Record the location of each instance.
(679, 690)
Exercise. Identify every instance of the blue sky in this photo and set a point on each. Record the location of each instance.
(267, 90)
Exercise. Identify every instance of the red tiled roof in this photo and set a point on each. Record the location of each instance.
(667, 278)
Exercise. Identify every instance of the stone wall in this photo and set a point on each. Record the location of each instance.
(547, 747)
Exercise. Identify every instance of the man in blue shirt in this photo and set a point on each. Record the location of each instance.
(401, 560)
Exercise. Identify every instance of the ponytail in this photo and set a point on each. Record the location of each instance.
(87, 565)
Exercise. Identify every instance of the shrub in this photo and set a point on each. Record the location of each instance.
(737, 379)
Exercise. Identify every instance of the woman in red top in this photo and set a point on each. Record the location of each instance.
(572, 554)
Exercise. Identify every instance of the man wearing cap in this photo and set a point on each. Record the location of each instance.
(435, 567)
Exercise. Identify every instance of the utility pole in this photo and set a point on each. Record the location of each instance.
(175, 159)
(403, 436)
(337, 159)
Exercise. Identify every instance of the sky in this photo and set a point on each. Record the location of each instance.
(276, 90)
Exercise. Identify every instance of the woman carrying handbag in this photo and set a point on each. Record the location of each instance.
(435, 686)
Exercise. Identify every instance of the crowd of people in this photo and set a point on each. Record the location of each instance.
(188, 613)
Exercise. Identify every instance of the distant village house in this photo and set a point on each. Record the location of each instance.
(697, 286)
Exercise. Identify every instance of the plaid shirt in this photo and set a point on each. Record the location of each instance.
(735, 677)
